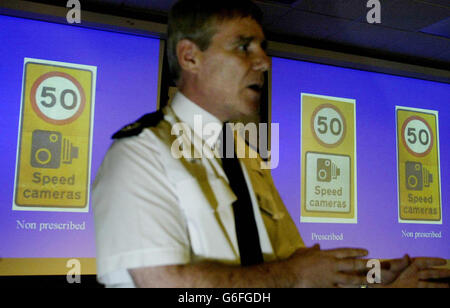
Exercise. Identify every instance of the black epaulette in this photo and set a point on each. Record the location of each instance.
(134, 129)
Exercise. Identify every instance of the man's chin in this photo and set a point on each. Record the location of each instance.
(250, 119)
(244, 110)
(250, 114)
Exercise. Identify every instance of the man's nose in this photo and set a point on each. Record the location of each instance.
(261, 62)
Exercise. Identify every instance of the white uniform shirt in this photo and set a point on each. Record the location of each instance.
(153, 210)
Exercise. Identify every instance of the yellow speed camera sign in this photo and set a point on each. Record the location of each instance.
(328, 187)
(418, 166)
(54, 143)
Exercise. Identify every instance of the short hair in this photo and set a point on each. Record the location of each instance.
(196, 20)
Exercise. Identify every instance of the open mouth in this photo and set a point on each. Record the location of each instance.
(255, 87)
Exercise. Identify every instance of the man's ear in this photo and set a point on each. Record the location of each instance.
(188, 55)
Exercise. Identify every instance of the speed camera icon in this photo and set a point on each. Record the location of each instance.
(49, 149)
(417, 176)
(326, 170)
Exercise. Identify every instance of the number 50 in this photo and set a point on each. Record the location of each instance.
(423, 136)
(50, 92)
(335, 125)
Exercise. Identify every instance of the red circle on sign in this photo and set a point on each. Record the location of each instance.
(39, 112)
(316, 111)
(404, 139)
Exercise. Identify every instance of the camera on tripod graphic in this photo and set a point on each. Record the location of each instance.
(49, 149)
(417, 176)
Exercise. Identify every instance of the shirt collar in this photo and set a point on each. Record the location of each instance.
(204, 124)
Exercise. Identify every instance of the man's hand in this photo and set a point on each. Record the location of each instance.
(391, 269)
(418, 271)
(328, 268)
(307, 267)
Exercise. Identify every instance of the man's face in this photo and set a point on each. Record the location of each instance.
(232, 71)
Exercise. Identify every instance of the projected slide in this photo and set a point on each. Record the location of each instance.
(65, 90)
(364, 158)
